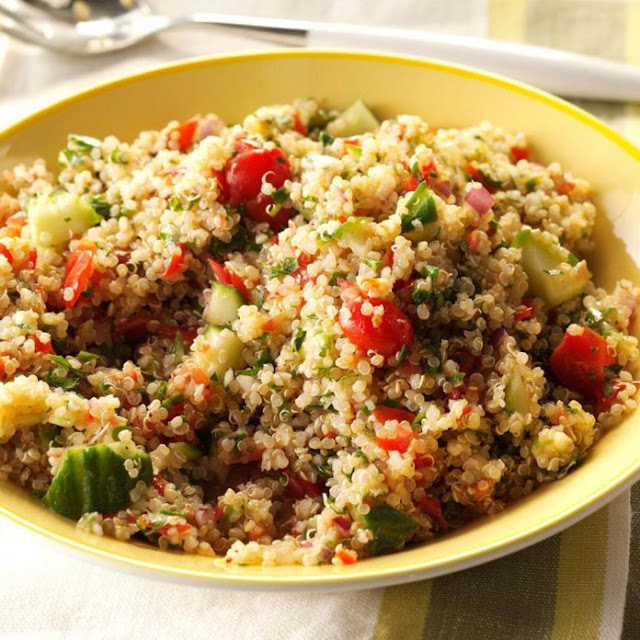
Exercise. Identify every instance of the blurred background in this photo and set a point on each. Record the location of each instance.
(31, 77)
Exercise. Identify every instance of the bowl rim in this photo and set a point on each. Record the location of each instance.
(363, 577)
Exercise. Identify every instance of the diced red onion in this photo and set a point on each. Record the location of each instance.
(443, 188)
(480, 200)
(204, 514)
(498, 336)
(344, 524)
(305, 544)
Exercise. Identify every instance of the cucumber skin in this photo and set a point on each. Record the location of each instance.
(94, 479)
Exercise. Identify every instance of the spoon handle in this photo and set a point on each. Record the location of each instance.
(568, 74)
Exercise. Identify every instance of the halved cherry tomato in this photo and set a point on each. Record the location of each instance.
(186, 132)
(245, 173)
(80, 268)
(431, 506)
(176, 264)
(299, 488)
(579, 360)
(388, 337)
(519, 153)
(223, 186)
(225, 276)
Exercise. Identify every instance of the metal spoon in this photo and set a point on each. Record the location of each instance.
(116, 24)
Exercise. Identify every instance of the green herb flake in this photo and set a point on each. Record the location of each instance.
(421, 207)
(285, 268)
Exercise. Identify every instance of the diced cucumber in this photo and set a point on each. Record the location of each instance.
(187, 450)
(223, 305)
(54, 218)
(353, 121)
(553, 273)
(217, 350)
(95, 478)
(516, 396)
(390, 528)
(419, 221)
(355, 234)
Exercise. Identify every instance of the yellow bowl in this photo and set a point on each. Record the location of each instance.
(445, 95)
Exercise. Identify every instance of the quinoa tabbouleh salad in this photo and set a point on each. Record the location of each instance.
(307, 338)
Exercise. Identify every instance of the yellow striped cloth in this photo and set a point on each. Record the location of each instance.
(585, 582)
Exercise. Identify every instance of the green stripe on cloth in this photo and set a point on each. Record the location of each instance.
(581, 574)
(510, 598)
(631, 628)
(403, 611)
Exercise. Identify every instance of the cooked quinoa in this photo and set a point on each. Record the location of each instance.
(306, 338)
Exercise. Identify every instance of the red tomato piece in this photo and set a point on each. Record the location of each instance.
(300, 275)
(225, 276)
(187, 335)
(388, 337)
(383, 414)
(6, 253)
(402, 437)
(345, 557)
(527, 311)
(467, 362)
(176, 263)
(186, 132)
(579, 360)
(431, 506)
(429, 171)
(80, 268)
(387, 258)
(159, 484)
(566, 187)
(133, 329)
(223, 185)
(299, 488)
(519, 153)
(400, 441)
(43, 347)
(33, 258)
(605, 402)
(298, 125)
(411, 185)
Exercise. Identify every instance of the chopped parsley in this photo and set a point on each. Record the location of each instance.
(285, 268)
